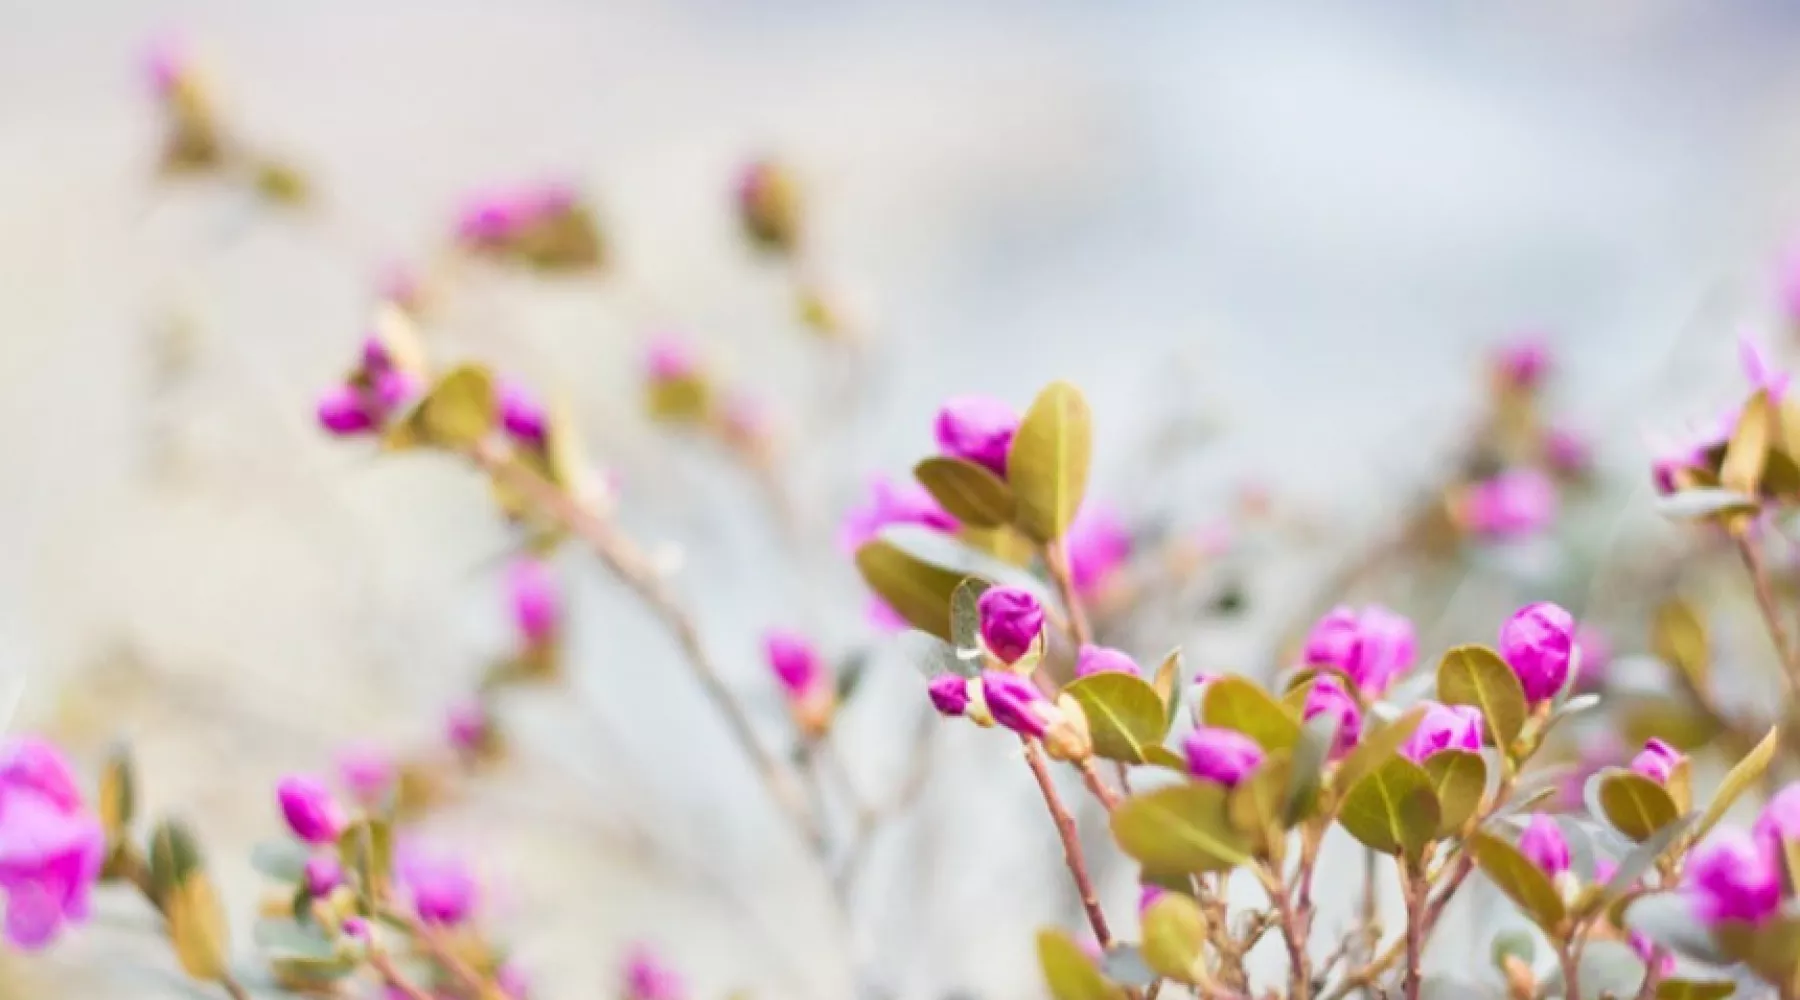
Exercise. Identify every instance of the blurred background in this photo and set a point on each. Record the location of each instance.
(1274, 247)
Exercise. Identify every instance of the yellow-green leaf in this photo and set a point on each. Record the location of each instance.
(1742, 775)
(1694, 989)
(1124, 714)
(1523, 882)
(1183, 828)
(117, 796)
(1161, 756)
(1175, 937)
(367, 849)
(1678, 637)
(1048, 464)
(1068, 971)
(1747, 453)
(197, 928)
(1167, 682)
(460, 409)
(1392, 810)
(970, 492)
(1377, 745)
(1238, 703)
(174, 855)
(1258, 805)
(917, 590)
(1459, 780)
(1635, 806)
(1476, 675)
(1771, 948)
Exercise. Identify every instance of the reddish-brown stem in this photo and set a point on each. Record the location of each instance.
(1771, 613)
(1071, 841)
(622, 555)
(1416, 915)
(391, 976)
(1090, 776)
(1293, 933)
(1057, 562)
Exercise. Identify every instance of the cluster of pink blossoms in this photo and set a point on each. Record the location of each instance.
(376, 391)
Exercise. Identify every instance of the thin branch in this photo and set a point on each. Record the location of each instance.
(392, 976)
(1771, 613)
(1056, 560)
(1071, 842)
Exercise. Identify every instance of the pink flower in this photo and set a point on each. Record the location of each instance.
(1514, 504)
(1780, 819)
(323, 874)
(1011, 621)
(368, 771)
(1327, 697)
(670, 359)
(1373, 647)
(1543, 845)
(514, 984)
(1101, 659)
(1445, 727)
(1657, 761)
(491, 219)
(1733, 876)
(522, 415)
(907, 503)
(1148, 895)
(341, 411)
(1098, 545)
(1567, 452)
(535, 601)
(1222, 755)
(466, 724)
(166, 63)
(1537, 642)
(977, 429)
(648, 977)
(442, 887)
(949, 694)
(1016, 703)
(1524, 362)
(311, 813)
(794, 661)
(51, 847)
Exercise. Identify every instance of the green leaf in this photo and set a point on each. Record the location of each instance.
(1523, 882)
(1635, 806)
(965, 623)
(1068, 971)
(1183, 828)
(1694, 989)
(196, 924)
(174, 856)
(1742, 775)
(1167, 682)
(117, 798)
(1307, 775)
(1771, 949)
(461, 409)
(1378, 743)
(971, 493)
(367, 849)
(1391, 809)
(1678, 637)
(1458, 780)
(281, 860)
(1642, 858)
(1161, 756)
(1258, 805)
(1175, 937)
(1476, 675)
(1238, 703)
(1667, 918)
(918, 591)
(1048, 463)
(1124, 714)
(1747, 453)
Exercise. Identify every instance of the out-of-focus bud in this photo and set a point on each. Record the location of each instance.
(1596, 655)
(1657, 761)
(1328, 697)
(648, 977)
(1733, 875)
(1523, 364)
(1222, 755)
(1512, 505)
(1011, 621)
(441, 886)
(470, 729)
(1101, 659)
(1373, 647)
(522, 415)
(1780, 818)
(677, 388)
(536, 602)
(341, 412)
(768, 203)
(1444, 727)
(309, 809)
(1567, 452)
(1098, 546)
(1543, 845)
(977, 429)
(1537, 642)
(368, 771)
(323, 874)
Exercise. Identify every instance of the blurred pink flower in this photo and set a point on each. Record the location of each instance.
(648, 977)
(441, 886)
(368, 772)
(536, 603)
(888, 504)
(1524, 362)
(1098, 544)
(51, 847)
(1514, 504)
(670, 358)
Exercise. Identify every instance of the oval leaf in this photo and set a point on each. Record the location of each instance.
(965, 623)
(1742, 775)
(1476, 675)
(1048, 463)
(197, 928)
(1258, 805)
(1183, 828)
(918, 591)
(1124, 714)
(1175, 937)
(460, 409)
(1307, 775)
(1392, 810)
(1747, 453)
(1642, 858)
(174, 855)
(117, 798)
(1459, 780)
(1234, 702)
(1377, 745)
(1068, 971)
(1635, 806)
(1167, 682)
(1678, 637)
(971, 493)
(1771, 948)
(1523, 882)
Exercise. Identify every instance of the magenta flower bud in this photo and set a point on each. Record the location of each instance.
(1780, 818)
(1444, 727)
(977, 429)
(1596, 656)
(393, 390)
(795, 663)
(1016, 702)
(1543, 845)
(30, 763)
(670, 359)
(1098, 546)
(309, 809)
(368, 771)
(355, 928)
(1733, 876)
(491, 219)
(165, 64)
(1011, 620)
(1657, 761)
(1225, 756)
(888, 505)
(441, 886)
(949, 694)
(521, 414)
(1536, 642)
(51, 846)
(1101, 659)
(466, 725)
(1524, 363)
(323, 874)
(1373, 647)
(1329, 697)
(536, 604)
(1148, 895)
(1512, 505)
(1761, 372)
(647, 977)
(341, 412)
(1567, 452)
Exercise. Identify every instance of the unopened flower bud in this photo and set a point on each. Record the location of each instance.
(1511, 505)
(1015, 702)
(1567, 453)
(949, 694)
(1373, 647)
(323, 874)
(1523, 364)
(1101, 659)
(1328, 697)
(1543, 845)
(1780, 818)
(441, 886)
(1733, 875)
(1098, 545)
(309, 809)
(648, 977)
(535, 602)
(468, 727)
(368, 771)
(794, 662)
(1444, 727)
(1222, 755)
(341, 412)
(977, 429)
(1537, 642)
(1011, 620)
(522, 415)
(1657, 761)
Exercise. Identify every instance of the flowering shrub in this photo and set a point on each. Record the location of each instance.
(1446, 762)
